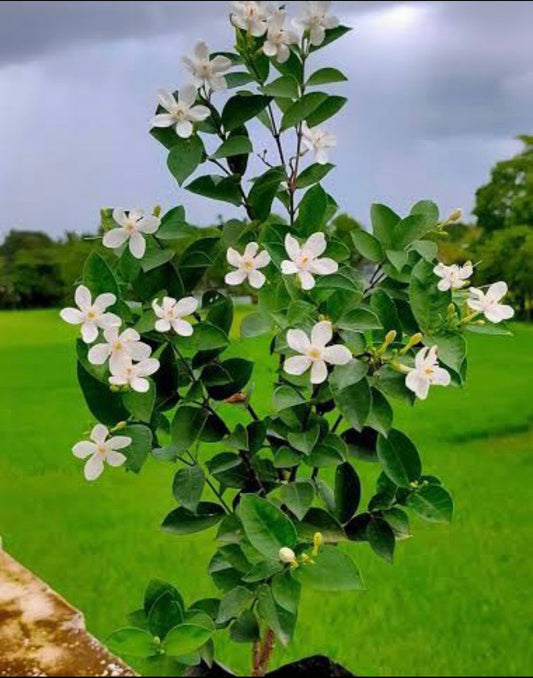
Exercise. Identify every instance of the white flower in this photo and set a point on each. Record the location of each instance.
(131, 228)
(181, 114)
(171, 314)
(89, 315)
(426, 373)
(316, 19)
(121, 349)
(314, 352)
(279, 38)
(318, 141)
(304, 260)
(489, 302)
(207, 71)
(286, 555)
(100, 449)
(133, 375)
(453, 277)
(247, 265)
(250, 17)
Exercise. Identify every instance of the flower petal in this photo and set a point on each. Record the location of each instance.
(162, 120)
(99, 434)
(337, 355)
(140, 385)
(139, 351)
(186, 306)
(498, 313)
(292, 247)
(262, 259)
(235, 277)
(199, 113)
(99, 353)
(251, 250)
(115, 458)
(149, 224)
(256, 279)
(147, 367)
(120, 217)
(182, 327)
(319, 372)
(166, 99)
(201, 50)
(444, 285)
(421, 357)
(298, 340)
(118, 442)
(102, 301)
(89, 332)
(137, 245)
(93, 468)
(83, 449)
(115, 238)
(288, 267)
(233, 257)
(220, 64)
(307, 280)
(496, 291)
(440, 377)
(82, 297)
(184, 129)
(73, 316)
(324, 266)
(297, 365)
(417, 383)
(315, 245)
(109, 320)
(162, 325)
(322, 333)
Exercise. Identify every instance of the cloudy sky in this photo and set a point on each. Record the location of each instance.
(437, 92)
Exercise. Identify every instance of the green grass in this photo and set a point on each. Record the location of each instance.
(457, 600)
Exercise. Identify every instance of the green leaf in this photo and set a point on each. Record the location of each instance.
(216, 187)
(319, 520)
(284, 87)
(367, 245)
(132, 643)
(187, 425)
(165, 613)
(432, 503)
(140, 405)
(300, 110)
(429, 210)
(399, 522)
(255, 325)
(262, 570)
(238, 79)
(104, 405)
(332, 34)
(234, 602)
(186, 638)
(346, 279)
(359, 320)
(384, 221)
(298, 497)
(333, 570)
(265, 525)
(344, 376)
(263, 192)
(185, 157)
(245, 629)
(155, 589)
(325, 76)
(354, 403)
(141, 446)
(399, 458)
(182, 521)
(155, 258)
(410, 229)
(313, 174)
(208, 337)
(381, 538)
(380, 417)
(237, 145)
(386, 310)
(326, 110)
(276, 618)
(227, 378)
(286, 458)
(312, 210)
(188, 486)
(347, 492)
(239, 109)
(428, 303)
(98, 277)
(304, 441)
(285, 397)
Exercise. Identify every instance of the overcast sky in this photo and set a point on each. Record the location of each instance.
(437, 92)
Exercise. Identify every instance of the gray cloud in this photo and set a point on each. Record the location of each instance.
(437, 92)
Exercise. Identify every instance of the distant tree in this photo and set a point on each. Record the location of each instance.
(507, 200)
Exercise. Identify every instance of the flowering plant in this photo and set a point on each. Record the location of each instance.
(284, 492)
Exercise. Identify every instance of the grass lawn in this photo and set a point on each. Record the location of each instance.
(457, 601)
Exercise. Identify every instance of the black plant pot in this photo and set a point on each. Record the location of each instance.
(308, 667)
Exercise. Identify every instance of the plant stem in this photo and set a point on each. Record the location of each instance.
(261, 653)
(210, 484)
(337, 423)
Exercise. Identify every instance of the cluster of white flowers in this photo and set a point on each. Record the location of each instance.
(426, 373)
(131, 227)
(258, 18)
(489, 303)
(99, 449)
(304, 261)
(120, 349)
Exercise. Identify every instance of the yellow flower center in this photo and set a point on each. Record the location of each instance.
(248, 265)
(118, 346)
(100, 450)
(91, 315)
(314, 353)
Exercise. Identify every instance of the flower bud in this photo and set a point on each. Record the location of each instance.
(318, 540)
(120, 426)
(157, 211)
(413, 341)
(287, 555)
(390, 337)
(236, 398)
(456, 214)
(480, 323)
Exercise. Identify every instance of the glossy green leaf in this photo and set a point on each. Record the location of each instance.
(265, 525)
(132, 642)
(332, 570)
(188, 486)
(399, 458)
(381, 538)
(239, 109)
(347, 492)
(237, 145)
(433, 503)
(182, 521)
(298, 497)
(184, 157)
(325, 76)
